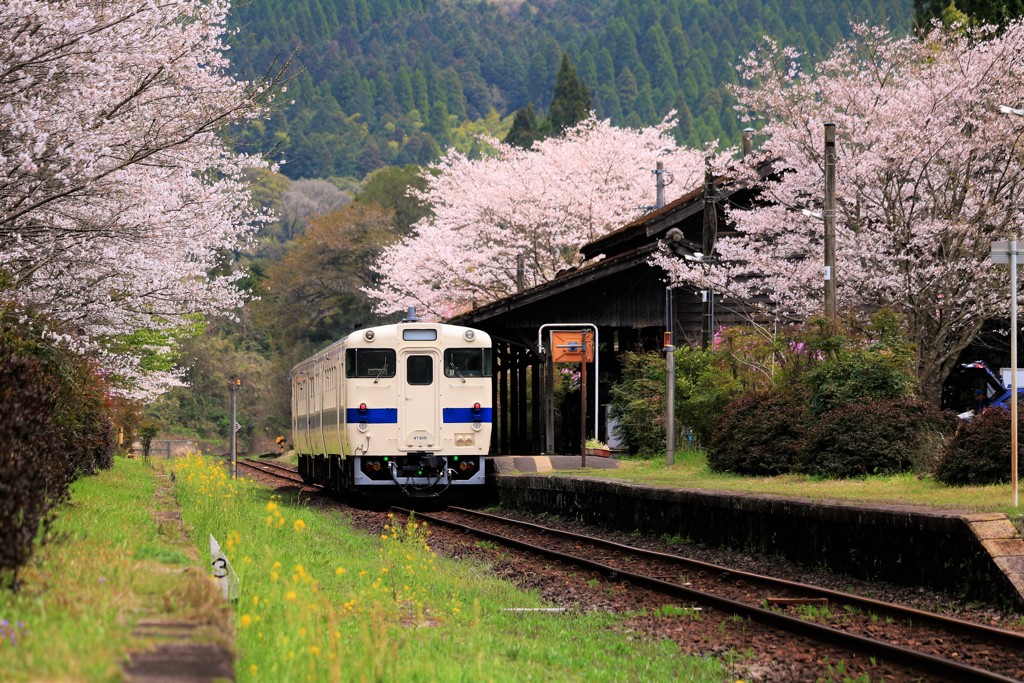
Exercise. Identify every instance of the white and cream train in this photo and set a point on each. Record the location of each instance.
(404, 407)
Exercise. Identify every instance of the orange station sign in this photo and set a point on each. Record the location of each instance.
(567, 346)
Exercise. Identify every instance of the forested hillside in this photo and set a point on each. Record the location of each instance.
(389, 81)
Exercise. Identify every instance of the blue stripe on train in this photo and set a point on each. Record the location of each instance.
(466, 415)
(372, 415)
(390, 415)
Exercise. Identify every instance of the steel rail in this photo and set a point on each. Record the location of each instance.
(869, 646)
(995, 635)
(276, 470)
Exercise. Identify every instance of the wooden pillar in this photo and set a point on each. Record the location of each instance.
(549, 406)
(513, 401)
(524, 408)
(496, 407)
(503, 400)
(537, 433)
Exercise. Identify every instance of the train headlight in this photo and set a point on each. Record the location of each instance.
(369, 335)
(464, 439)
(470, 335)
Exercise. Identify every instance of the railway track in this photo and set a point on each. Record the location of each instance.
(925, 642)
(275, 470)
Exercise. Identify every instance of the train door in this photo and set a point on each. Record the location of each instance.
(418, 412)
(323, 391)
(302, 402)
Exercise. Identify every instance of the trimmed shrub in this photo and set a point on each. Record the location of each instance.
(854, 375)
(638, 401)
(882, 436)
(858, 363)
(34, 471)
(54, 427)
(703, 389)
(759, 433)
(979, 453)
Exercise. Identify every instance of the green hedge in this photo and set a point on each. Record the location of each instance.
(882, 436)
(54, 427)
(979, 452)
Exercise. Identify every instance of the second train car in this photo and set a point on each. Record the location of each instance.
(396, 408)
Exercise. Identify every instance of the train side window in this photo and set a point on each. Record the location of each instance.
(374, 363)
(467, 363)
(419, 370)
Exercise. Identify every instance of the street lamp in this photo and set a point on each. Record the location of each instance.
(1012, 253)
(1006, 252)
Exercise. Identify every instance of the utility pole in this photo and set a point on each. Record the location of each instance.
(670, 379)
(659, 184)
(1013, 381)
(710, 236)
(829, 216)
(233, 388)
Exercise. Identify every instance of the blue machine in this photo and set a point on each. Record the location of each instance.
(996, 394)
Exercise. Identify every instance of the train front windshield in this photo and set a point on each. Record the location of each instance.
(467, 363)
(374, 363)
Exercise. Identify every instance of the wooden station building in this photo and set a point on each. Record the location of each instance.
(615, 289)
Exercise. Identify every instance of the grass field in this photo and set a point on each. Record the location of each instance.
(322, 602)
(112, 559)
(319, 601)
(690, 471)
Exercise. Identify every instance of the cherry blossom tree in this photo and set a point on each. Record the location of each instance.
(118, 193)
(929, 172)
(540, 203)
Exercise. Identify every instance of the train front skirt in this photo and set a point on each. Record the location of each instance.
(415, 474)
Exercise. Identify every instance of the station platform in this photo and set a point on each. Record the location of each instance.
(511, 464)
(973, 555)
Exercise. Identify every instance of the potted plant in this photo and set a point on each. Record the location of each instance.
(595, 447)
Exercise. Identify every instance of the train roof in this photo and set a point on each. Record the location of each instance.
(391, 331)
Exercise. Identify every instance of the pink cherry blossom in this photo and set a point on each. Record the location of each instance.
(118, 193)
(542, 203)
(929, 173)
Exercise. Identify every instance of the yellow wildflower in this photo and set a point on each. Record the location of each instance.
(299, 525)
(245, 620)
(290, 595)
(314, 650)
(340, 571)
(253, 669)
(271, 506)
